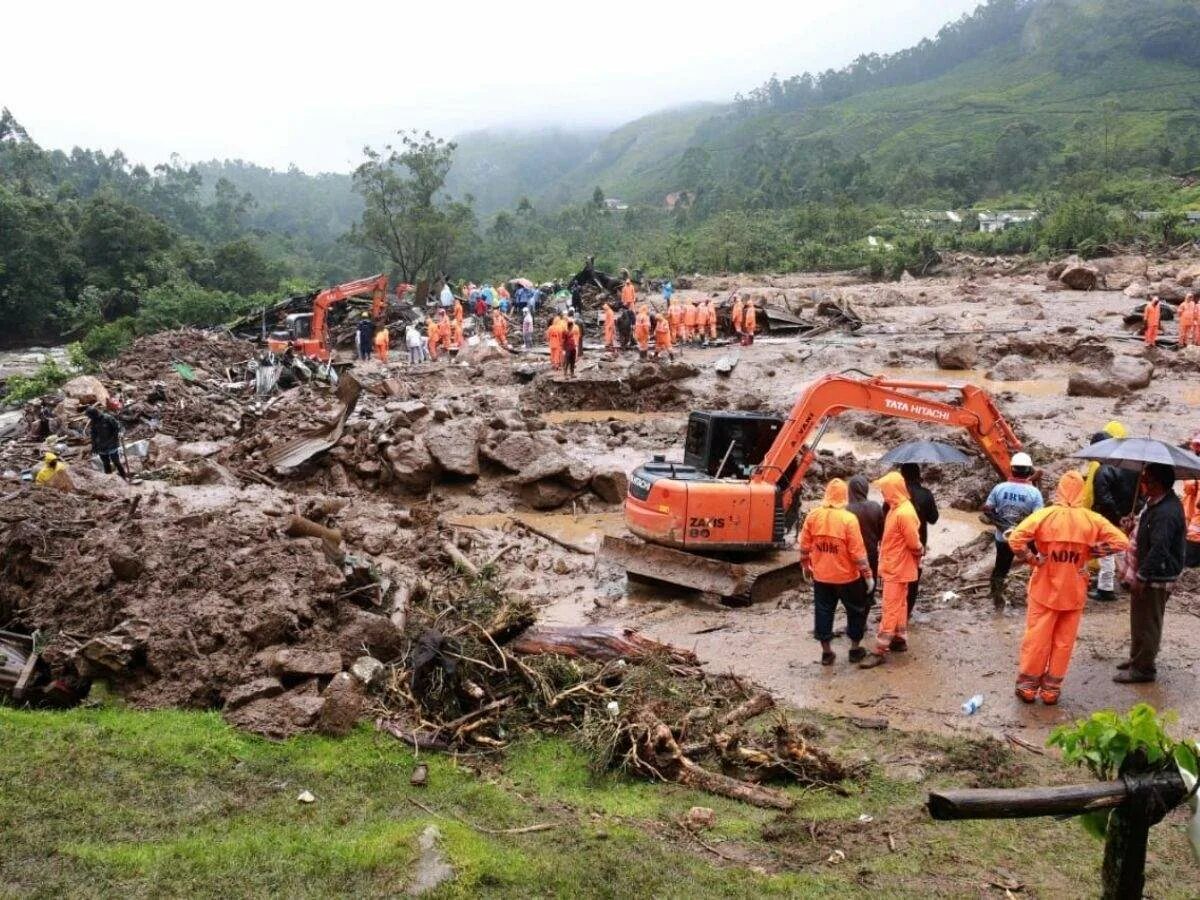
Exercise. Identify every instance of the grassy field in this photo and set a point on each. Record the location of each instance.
(116, 802)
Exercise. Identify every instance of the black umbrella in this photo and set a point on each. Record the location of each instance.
(1137, 453)
(924, 452)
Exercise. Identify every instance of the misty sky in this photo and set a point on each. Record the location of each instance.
(310, 83)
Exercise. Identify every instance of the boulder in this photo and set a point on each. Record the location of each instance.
(292, 661)
(116, 650)
(343, 707)
(1138, 290)
(454, 445)
(362, 632)
(1080, 278)
(279, 715)
(198, 449)
(1054, 273)
(1011, 368)
(412, 465)
(1168, 291)
(1124, 375)
(546, 494)
(86, 390)
(1189, 276)
(514, 451)
(369, 671)
(258, 689)
(162, 448)
(957, 354)
(1118, 272)
(610, 485)
(126, 566)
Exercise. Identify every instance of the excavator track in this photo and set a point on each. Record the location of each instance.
(740, 582)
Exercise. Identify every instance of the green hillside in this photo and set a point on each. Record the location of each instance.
(1009, 101)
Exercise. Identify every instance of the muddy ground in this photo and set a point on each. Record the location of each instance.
(519, 468)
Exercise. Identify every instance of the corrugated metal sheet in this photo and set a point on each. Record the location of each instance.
(303, 448)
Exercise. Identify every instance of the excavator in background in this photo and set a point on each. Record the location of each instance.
(308, 334)
(699, 523)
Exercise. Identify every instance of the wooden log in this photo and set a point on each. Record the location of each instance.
(460, 559)
(1025, 803)
(299, 526)
(597, 642)
(412, 738)
(756, 705)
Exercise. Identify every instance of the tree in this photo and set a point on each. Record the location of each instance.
(407, 218)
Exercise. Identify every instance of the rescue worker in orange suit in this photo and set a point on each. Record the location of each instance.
(577, 330)
(1057, 540)
(899, 557)
(662, 338)
(443, 326)
(628, 294)
(675, 320)
(690, 317)
(1191, 514)
(1195, 338)
(500, 327)
(383, 342)
(1152, 316)
(712, 321)
(456, 338)
(736, 316)
(610, 329)
(833, 554)
(554, 334)
(749, 323)
(641, 330)
(1187, 320)
(458, 311)
(432, 337)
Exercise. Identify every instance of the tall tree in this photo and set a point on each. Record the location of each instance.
(408, 218)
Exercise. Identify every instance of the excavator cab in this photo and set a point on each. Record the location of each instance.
(729, 444)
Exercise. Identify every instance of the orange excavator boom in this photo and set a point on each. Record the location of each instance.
(313, 340)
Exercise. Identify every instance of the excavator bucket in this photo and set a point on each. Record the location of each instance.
(733, 582)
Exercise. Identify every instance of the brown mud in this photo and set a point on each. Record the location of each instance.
(519, 467)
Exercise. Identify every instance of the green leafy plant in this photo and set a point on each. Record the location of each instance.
(1110, 745)
(49, 376)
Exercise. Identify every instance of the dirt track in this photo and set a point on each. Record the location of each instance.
(218, 628)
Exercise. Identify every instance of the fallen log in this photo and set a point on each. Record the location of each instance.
(299, 526)
(459, 559)
(598, 642)
(756, 705)
(412, 738)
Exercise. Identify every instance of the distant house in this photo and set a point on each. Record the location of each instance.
(1193, 216)
(614, 203)
(934, 218)
(991, 222)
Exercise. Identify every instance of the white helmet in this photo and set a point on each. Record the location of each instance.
(1022, 461)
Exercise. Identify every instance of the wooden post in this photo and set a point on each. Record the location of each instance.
(1137, 803)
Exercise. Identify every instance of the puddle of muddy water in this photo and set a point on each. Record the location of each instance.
(584, 531)
(1050, 386)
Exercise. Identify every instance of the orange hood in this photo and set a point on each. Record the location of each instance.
(893, 488)
(837, 494)
(1070, 490)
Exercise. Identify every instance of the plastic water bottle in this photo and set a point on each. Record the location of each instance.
(972, 706)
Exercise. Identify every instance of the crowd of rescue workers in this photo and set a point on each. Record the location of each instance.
(1124, 527)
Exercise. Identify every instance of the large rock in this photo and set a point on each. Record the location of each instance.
(556, 464)
(957, 354)
(344, 705)
(1119, 272)
(1124, 375)
(515, 451)
(1138, 290)
(454, 445)
(412, 465)
(198, 449)
(1189, 276)
(362, 632)
(610, 485)
(1011, 368)
(258, 689)
(546, 494)
(126, 566)
(1080, 278)
(1167, 291)
(294, 662)
(85, 390)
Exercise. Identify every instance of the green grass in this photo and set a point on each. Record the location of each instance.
(111, 801)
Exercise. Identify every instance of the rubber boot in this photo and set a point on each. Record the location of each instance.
(997, 585)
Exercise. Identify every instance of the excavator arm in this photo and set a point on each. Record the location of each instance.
(792, 452)
(376, 285)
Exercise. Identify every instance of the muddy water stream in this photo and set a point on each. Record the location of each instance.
(1050, 385)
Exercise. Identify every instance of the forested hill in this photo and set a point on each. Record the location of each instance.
(1008, 100)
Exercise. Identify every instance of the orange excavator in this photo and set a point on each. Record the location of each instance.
(737, 492)
(307, 332)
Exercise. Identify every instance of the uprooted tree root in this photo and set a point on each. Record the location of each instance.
(478, 674)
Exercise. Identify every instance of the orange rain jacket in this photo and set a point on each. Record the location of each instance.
(749, 319)
(675, 317)
(900, 546)
(689, 316)
(831, 543)
(737, 314)
(1067, 536)
(662, 335)
(1191, 510)
(628, 293)
(458, 310)
(610, 326)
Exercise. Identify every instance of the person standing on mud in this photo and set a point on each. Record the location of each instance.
(1187, 319)
(870, 521)
(749, 323)
(1057, 540)
(832, 554)
(1152, 317)
(641, 331)
(1114, 495)
(1010, 503)
(1191, 513)
(527, 329)
(413, 341)
(662, 338)
(736, 316)
(628, 293)
(364, 339)
(105, 432)
(610, 329)
(570, 348)
(900, 551)
(927, 513)
(1161, 545)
